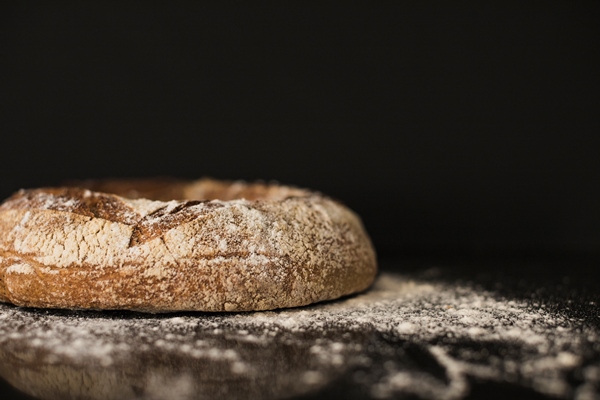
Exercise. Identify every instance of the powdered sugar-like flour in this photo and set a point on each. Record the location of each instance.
(403, 337)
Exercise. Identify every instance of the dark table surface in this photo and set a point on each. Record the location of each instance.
(446, 328)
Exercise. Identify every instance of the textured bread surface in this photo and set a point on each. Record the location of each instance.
(221, 246)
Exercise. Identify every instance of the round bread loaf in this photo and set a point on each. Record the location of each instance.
(222, 246)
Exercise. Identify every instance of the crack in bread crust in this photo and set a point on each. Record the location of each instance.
(166, 218)
(72, 247)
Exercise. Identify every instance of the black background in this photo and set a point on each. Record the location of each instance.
(450, 127)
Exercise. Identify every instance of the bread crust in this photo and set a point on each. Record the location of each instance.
(258, 247)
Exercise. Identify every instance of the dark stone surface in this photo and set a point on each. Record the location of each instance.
(485, 327)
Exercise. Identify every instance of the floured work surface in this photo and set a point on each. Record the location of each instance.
(424, 335)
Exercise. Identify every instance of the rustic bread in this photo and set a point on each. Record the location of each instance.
(222, 246)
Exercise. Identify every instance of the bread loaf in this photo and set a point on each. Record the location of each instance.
(159, 246)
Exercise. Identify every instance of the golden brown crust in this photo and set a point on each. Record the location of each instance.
(261, 246)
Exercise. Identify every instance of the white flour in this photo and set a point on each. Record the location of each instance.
(385, 342)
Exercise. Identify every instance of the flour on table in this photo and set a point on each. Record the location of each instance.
(373, 341)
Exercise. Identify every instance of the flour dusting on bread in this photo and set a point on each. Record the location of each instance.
(222, 246)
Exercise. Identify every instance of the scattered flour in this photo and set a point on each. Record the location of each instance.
(403, 337)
